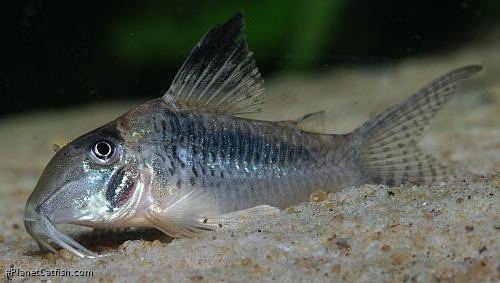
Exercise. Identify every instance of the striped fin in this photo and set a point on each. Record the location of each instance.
(219, 75)
(389, 153)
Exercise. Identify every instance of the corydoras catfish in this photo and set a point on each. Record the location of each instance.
(186, 162)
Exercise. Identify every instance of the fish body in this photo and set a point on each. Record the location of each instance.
(185, 162)
(238, 162)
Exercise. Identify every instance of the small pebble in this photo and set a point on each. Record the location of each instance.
(196, 278)
(482, 249)
(67, 255)
(318, 196)
(246, 261)
(337, 268)
(386, 248)
(343, 243)
(157, 243)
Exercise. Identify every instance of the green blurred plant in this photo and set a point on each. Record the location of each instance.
(290, 33)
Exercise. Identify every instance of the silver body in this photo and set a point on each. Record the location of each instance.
(238, 162)
(185, 163)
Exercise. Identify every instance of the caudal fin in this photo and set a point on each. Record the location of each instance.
(388, 150)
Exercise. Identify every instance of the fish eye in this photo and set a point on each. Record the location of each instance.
(103, 151)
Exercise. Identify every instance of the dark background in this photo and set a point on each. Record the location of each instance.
(60, 53)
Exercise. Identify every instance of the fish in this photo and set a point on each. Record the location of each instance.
(188, 162)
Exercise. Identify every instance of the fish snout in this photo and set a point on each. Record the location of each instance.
(41, 215)
(46, 234)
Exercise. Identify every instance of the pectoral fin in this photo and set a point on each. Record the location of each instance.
(184, 217)
(195, 213)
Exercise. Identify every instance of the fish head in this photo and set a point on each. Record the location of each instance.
(93, 181)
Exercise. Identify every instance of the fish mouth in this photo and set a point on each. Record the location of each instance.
(46, 234)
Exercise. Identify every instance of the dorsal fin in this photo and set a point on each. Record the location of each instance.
(219, 74)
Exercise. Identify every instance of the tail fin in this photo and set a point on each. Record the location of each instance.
(388, 152)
